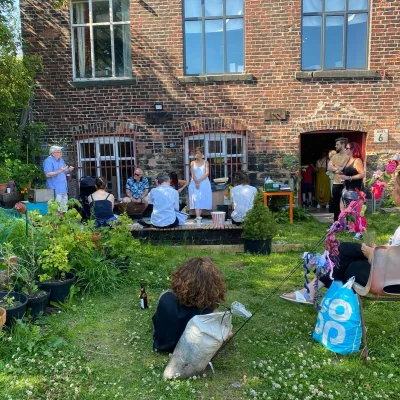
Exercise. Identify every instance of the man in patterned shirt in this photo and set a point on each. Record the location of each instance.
(137, 188)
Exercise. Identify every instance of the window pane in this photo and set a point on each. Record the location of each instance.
(311, 43)
(101, 11)
(334, 42)
(234, 146)
(193, 143)
(234, 7)
(125, 149)
(83, 63)
(214, 46)
(102, 51)
(88, 150)
(193, 48)
(106, 149)
(334, 5)
(120, 10)
(122, 50)
(312, 6)
(357, 41)
(213, 8)
(192, 8)
(89, 168)
(215, 146)
(80, 13)
(234, 45)
(358, 4)
(217, 167)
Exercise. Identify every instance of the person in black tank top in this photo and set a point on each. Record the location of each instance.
(353, 174)
(102, 204)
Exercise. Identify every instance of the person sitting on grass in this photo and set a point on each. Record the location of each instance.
(354, 260)
(197, 286)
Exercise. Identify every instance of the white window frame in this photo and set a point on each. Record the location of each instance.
(91, 24)
(216, 136)
(111, 140)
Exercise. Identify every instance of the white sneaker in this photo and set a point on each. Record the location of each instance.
(327, 206)
(358, 236)
(318, 205)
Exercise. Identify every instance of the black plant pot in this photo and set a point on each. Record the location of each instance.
(39, 304)
(59, 290)
(257, 246)
(18, 311)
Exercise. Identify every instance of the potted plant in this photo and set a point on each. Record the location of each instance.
(15, 305)
(23, 273)
(55, 273)
(259, 227)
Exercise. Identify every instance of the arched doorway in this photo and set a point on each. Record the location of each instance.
(313, 143)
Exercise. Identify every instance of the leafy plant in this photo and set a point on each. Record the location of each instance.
(67, 305)
(259, 222)
(23, 174)
(54, 263)
(7, 301)
(5, 175)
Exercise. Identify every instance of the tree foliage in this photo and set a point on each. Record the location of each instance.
(17, 75)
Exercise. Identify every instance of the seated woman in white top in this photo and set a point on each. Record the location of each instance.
(242, 197)
(165, 200)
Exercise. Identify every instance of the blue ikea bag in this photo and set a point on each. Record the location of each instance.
(338, 325)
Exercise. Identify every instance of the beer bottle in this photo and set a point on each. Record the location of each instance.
(143, 297)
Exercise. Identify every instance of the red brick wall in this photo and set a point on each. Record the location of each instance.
(272, 41)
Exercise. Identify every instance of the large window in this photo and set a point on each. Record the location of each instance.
(213, 36)
(226, 152)
(334, 34)
(101, 44)
(112, 157)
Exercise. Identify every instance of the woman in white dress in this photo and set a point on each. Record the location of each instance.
(200, 196)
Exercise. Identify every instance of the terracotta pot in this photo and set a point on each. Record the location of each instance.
(3, 188)
(3, 316)
(96, 238)
(20, 207)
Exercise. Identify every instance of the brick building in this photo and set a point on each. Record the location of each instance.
(143, 82)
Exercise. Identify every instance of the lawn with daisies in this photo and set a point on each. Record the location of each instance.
(100, 346)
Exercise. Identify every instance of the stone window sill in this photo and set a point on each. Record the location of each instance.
(97, 83)
(344, 74)
(247, 78)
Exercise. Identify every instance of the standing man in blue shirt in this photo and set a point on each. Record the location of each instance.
(56, 171)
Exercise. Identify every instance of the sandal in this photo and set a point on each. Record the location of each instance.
(300, 298)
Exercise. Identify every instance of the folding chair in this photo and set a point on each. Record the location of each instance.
(383, 283)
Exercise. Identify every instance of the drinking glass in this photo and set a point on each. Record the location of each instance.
(369, 238)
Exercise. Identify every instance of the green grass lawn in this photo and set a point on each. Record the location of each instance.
(100, 347)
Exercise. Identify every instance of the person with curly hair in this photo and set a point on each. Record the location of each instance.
(197, 286)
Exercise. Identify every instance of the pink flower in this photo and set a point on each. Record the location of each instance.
(391, 166)
(377, 174)
(377, 189)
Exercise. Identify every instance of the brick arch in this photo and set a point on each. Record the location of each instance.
(213, 124)
(106, 127)
(353, 123)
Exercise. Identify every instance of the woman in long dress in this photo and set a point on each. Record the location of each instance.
(200, 196)
(322, 187)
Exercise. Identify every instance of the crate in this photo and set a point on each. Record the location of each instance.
(41, 195)
(41, 207)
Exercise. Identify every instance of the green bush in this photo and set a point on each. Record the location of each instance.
(259, 222)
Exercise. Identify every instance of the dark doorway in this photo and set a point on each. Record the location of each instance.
(312, 144)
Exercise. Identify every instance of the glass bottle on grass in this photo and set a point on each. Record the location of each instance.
(143, 297)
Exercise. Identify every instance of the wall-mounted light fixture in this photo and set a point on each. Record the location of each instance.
(158, 106)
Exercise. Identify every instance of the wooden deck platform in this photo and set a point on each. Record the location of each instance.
(191, 234)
